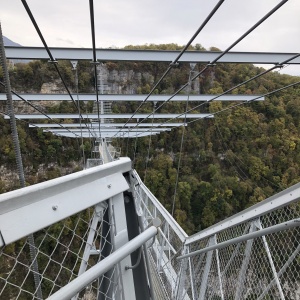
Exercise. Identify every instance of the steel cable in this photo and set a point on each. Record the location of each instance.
(175, 61)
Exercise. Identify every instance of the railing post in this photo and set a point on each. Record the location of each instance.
(206, 270)
(244, 267)
(180, 291)
(120, 238)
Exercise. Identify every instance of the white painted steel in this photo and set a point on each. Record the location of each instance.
(147, 55)
(110, 116)
(32, 208)
(111, 97)
(104, 125)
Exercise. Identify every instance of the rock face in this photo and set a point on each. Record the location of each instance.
(121, 82)
(55, 87)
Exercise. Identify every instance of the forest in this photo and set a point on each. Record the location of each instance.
(225, 164)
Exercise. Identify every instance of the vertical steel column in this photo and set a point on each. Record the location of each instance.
(161, 249)
(192, 277)
(258, 224)
(15, 138)
(206, 270)
(180, 291)
(244, 267)
(120, 239)
(219, 270)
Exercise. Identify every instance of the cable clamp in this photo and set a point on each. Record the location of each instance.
(174, 65)
(211, 65)
(95, 62)
(54, 61)
(279, 65)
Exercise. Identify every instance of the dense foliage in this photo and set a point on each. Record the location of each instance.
(238, 158)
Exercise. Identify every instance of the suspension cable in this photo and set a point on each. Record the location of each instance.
(175, 61)
(213, 62)
(149, 146)
(94, 62)
(52, 60)
(181, 146)
(40, 111)
(279, 65)
(77, 95)
(19, 162)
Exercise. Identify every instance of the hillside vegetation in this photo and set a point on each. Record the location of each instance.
(238, 158)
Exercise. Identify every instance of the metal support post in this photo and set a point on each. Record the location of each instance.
(117, 212)
(244, 267)
(219, 270)
(206, 270)
(192, 277)
(180, 291)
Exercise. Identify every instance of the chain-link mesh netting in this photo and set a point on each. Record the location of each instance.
(63, 251)
(166, 247)
(266, 267)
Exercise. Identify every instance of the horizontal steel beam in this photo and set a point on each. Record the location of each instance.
(109, 97)
(35, 207)
(106, 134)
(277, 201)
(102, 130)
(78, 131)
(110, 116)
(147, 55)
(104, 125)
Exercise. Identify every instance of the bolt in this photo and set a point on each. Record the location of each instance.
(109, 186)
(54, 207)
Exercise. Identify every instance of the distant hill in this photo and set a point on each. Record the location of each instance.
(8, 42)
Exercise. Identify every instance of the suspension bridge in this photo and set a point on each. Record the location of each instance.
(101, 234)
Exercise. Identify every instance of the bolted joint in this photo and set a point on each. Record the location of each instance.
(53, 61)
(174, 65)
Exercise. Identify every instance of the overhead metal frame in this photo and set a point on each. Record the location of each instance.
(95, 134)
(103, 125)
(32, 53)
(111, 97)
(110, 116)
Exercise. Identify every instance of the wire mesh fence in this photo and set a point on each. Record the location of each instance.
(263, 267)
(256, 257)
(167, 245)
(63, 251)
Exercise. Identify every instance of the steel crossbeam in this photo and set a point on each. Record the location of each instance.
(122, 98)
(110, 116)
(103, 125)
(31, 53)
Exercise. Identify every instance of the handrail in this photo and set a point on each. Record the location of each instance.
(78, 284)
